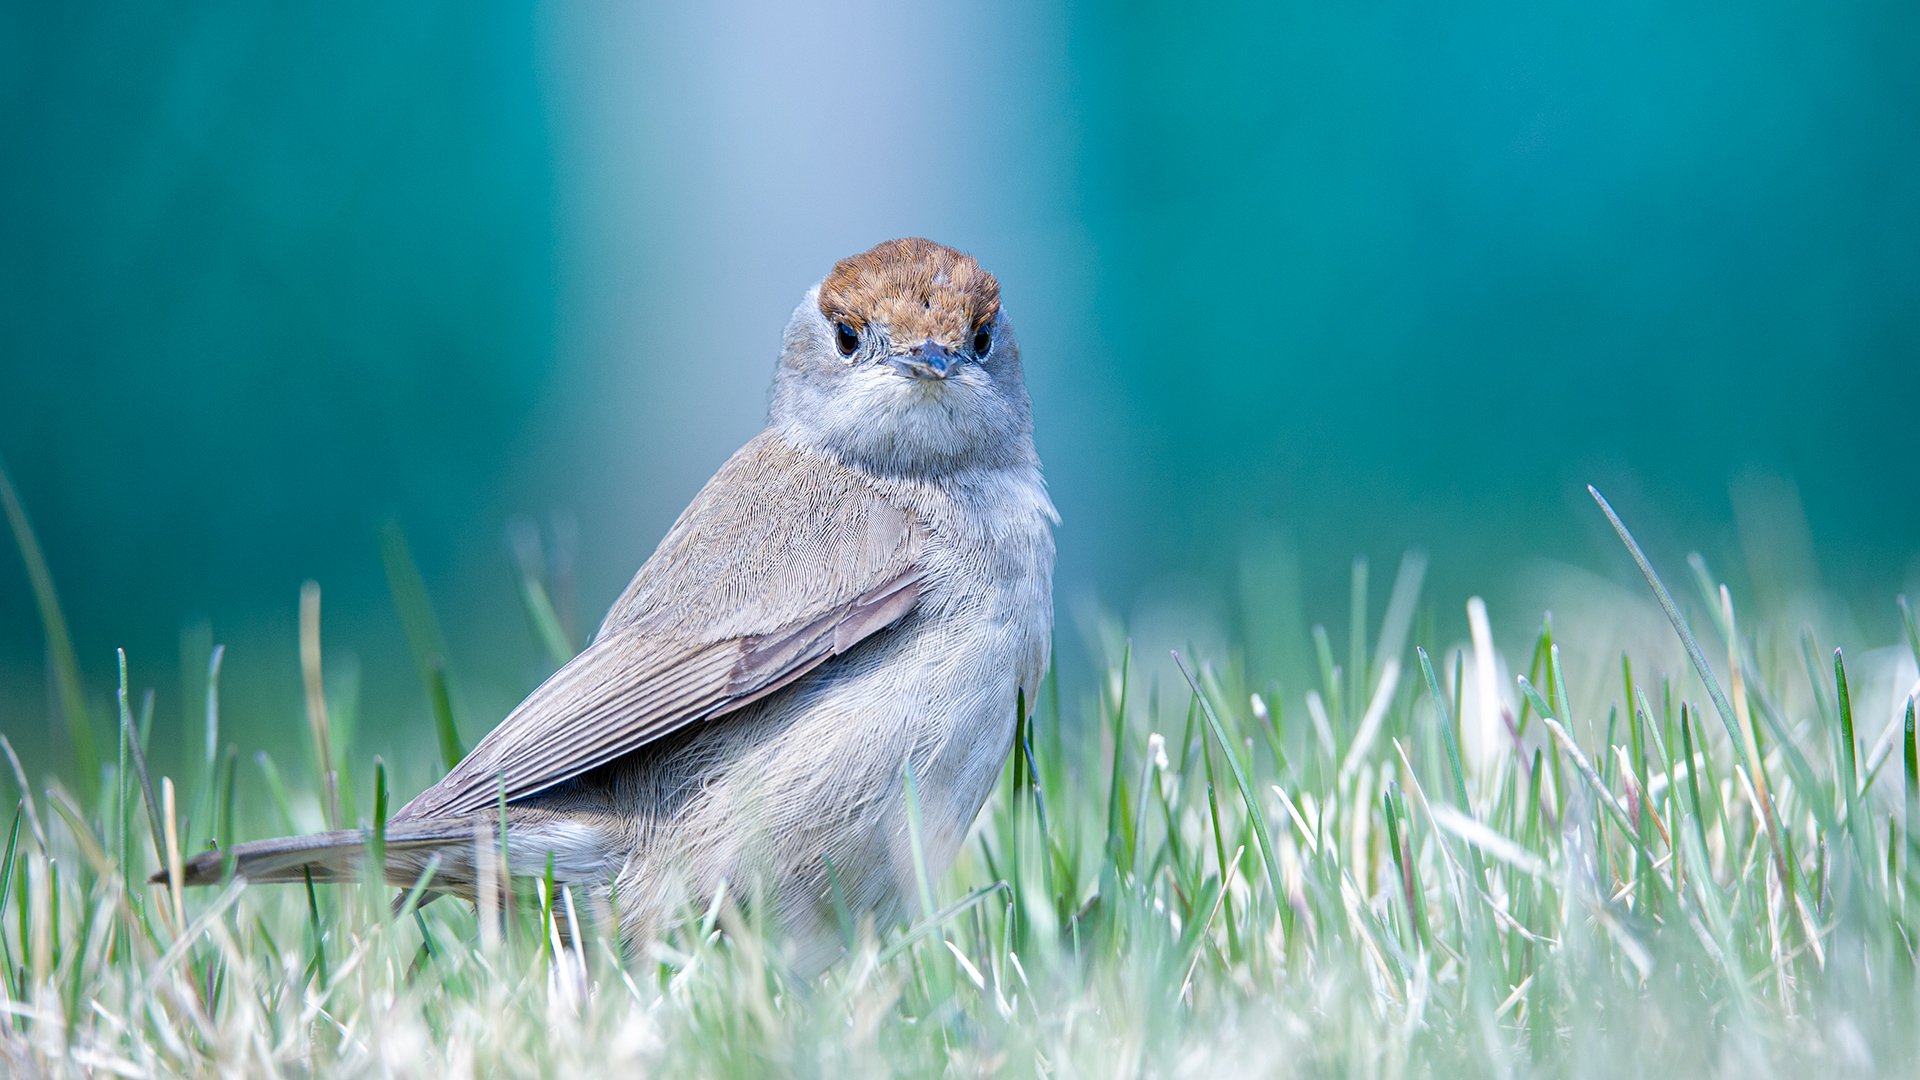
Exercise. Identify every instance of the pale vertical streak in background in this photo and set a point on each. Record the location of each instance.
(712, 161)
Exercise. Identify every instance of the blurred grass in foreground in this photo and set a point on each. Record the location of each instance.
(1408, 869)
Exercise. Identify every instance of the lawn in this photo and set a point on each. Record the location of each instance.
(1667, 841)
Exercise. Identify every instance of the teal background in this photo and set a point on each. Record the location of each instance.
(1290, 278)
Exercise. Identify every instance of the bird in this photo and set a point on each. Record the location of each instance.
(850, 609)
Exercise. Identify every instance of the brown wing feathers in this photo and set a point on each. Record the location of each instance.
(606, 706)
(763, 607)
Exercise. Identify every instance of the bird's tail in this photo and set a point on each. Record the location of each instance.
(331, 856)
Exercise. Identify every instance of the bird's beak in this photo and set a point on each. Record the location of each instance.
(927, 360)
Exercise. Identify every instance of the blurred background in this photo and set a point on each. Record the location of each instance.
(1294, 282)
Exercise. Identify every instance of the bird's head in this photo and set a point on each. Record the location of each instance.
(902, 361)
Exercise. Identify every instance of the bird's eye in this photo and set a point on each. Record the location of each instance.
(848, 340)
(982, 341)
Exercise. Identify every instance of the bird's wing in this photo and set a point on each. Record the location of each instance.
(784, 560)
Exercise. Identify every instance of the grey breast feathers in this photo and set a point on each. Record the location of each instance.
(783, 560)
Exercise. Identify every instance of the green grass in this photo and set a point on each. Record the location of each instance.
(1702, 869)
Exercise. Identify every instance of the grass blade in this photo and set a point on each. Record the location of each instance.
(1913, 631)
(934, 922)
(1401, 602)
(66, 665)
(841, 912)
(1219, 837)
(919, 850)
(1117, 847)
(318, 966)
(524, 537)
(445, 731)
(1446, 719)
(317, 726)
(424, 640)
(1255, 815)
(1719, 697)
(6, 889)
(140, 767)
(377, 836)
(1912, 795)
(1356, 687)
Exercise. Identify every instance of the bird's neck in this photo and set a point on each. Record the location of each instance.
(892, 450)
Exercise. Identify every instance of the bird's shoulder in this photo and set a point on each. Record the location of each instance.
(780, 534)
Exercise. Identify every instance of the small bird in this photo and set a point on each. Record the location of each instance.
(860, 592)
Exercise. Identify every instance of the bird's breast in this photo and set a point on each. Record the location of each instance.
(989, 561)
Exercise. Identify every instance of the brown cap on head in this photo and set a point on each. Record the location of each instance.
(920, 290)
